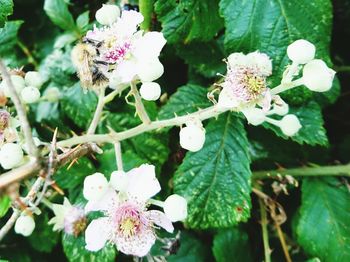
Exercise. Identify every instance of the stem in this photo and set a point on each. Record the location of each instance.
(108, 98)
(146, 9)
(283, 242)
(27, 52)
(265, 234)
(9, 224)
(156, 202)
(341, 170)
(118, 156)
(98, 112)
(21, 112)
(292, 70)
(286, 86)
(203, 114)
(140, 108)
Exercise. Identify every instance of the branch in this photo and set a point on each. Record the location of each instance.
(98, 111)
(264, 222)
(140, 108)
(146, 9)
(32, 149)
(118, 156)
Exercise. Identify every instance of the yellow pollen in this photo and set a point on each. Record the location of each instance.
(128, 226)
(109, 43)
(255, 84)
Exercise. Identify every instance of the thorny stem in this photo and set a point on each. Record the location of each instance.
(146, 9)
(118, 156)
(21, 112)
(286, 86)
(98, 112)
(265, 234)
(283, 242)
(108, 98)
(140, 108)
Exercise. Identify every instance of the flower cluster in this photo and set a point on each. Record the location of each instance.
(123, 53)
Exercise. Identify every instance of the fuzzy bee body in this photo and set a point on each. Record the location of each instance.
(84, 59)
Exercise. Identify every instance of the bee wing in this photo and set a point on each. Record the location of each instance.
(84, 71)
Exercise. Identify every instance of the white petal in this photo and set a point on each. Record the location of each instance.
(227, 99)
(97, 234)
(143, 182)
(105, 203)
(119, 180)
(149, 46)
(125, 73)
(160, 219)
(95, 186)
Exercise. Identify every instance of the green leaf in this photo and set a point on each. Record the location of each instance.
(8, 36)
(312, 131)
(187, 99)
(59, 14)
(206, 58)
(270, 26)
(323, 228)
(188, 20)
(83, 21)
(79, 106)
(6, 9)
(43, 238)
(5, 204)
(216, 180)
(75, 175)
(232, 245)
(74, 248)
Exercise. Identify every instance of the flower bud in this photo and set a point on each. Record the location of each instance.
(33, 78)
(52, 94)
(301, 51)
(107, 14)
(281, 108)
(149, 71)
(150, 91)
(290, 125)
(95, 186)
(255, 116)
(18, 83)
(11, 155)
(25, 225)
(30, 94)
(4, 119)
(317, 76)
(192, 137)
(175, 208)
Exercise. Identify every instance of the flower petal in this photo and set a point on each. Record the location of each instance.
(97, 234)
(105, 203)
(137, 245)
(143, 183)
(160, 219)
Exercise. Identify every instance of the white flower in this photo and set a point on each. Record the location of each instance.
(18, 83)
(95, 186)
(107, 14)
(150, 70)
(149, 46)
(290, 125)
(150, 91)
(175, 208)
(192, 136)
(11, 155)
(69, 218)
(30, 94)
(127, 222)
(24, 225)
(255, 116)
(301, 51)
(317, 76)
(33, 78)
(245, 81)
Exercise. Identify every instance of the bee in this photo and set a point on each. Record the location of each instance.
(89, 69)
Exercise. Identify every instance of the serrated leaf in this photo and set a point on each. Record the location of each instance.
(323, 227)
(74, 248)
(43, 238)
(216, 180)
(188, 20)
(231, 245)
(68, 178)
(5, 204)
(187, 99)
(79, 106)
(8, 36)
(57, 11)
(312, 131)
(6, 9)
(206, 58)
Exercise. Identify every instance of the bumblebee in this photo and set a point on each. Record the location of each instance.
(89, 69)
